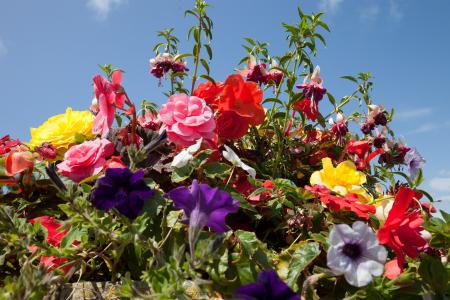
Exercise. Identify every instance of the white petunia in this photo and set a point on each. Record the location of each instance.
(185, 156)
(232, 157)
(355, 253)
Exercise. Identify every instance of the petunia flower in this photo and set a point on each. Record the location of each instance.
(267, 287)
(355, 253)
(414, 161)
(233, 158)
(203, 206)
(403, 227)
(122, 189)
(186, 155)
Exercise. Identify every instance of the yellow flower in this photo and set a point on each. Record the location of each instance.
(343, 179)
(61, 130)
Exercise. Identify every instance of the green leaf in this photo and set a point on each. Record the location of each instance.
(434, 273)
(209, 78)
(205, 65)
(301, 258)
(209, 50)
(181, 174)
(218, 170)
(74, 234)
(351, 78)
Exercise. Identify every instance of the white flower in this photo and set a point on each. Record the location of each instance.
(232, 157)
(185, 156)
(383, 210)
(355, 253)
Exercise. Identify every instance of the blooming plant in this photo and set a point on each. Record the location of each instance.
(234, 188)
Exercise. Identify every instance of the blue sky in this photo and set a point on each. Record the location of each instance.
(49, 51)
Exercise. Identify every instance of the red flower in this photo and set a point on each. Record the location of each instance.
(231, 126)
(360, 148)
(54, 237)
(311, 110)
(239, 104)
(209, 92)
(401, 232)
(6, 144)
(337, 203)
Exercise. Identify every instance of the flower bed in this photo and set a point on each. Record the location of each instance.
(234, 188)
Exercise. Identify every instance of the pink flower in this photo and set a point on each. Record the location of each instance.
(108, 95)
(186, 119)
(148, 120)
(86, 160)
(115, 162)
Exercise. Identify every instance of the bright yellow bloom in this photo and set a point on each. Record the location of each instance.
(60, 130)
(343, 179)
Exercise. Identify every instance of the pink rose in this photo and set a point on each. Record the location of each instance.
(186, 119)
(86, 160)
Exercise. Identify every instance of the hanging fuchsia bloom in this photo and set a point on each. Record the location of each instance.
(164, 63)
(313, 92)
(109, 95)
(339, 128)
(258, 72)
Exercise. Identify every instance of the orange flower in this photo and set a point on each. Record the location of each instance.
(244, 98)
(209, 92)
(18, 161)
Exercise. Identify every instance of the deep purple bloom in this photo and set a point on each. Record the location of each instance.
(122, 189)
(414, 161)
(204, 205)
(267, 287)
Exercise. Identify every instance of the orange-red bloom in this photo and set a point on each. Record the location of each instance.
(18, 161)
(209, 92)
(336, 203)
(401, 232)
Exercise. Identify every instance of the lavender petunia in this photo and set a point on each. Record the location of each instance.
(268, 286)
(355, 253)
(204, 205)
(122, 189)
(414, 161)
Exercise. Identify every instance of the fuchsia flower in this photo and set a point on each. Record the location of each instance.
(187, 119)
(86, 160)
(313, 92)
(164, 63)
(259, 74)
(148, 120)
(109, 95)
(6, 144)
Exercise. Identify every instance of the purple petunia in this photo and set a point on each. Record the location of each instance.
(268, 286)
(414, 161)
(204, 205)
(122, 189)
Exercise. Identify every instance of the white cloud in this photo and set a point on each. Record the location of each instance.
(444, 172)
(427, 127)
(103, 7)
(331, 6)
(370, 11)
(3, 49)
(440, 184)
(419, 112)
(394, 10)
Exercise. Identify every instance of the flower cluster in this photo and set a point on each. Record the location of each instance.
(165, 63)
(235, 188)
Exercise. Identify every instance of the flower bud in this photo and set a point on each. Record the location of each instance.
(47, 151)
